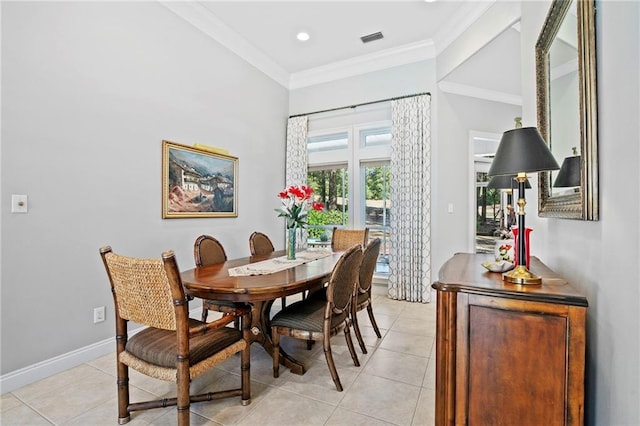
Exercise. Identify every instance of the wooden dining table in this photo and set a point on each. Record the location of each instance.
(260, 291)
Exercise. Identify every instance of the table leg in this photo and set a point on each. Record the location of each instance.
(261, 333)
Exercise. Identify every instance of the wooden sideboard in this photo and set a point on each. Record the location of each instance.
(508, 354)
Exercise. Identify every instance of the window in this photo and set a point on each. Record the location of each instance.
(377, 211)
(349, 172)
(328, 142)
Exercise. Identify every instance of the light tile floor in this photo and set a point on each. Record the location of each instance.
(395, 384)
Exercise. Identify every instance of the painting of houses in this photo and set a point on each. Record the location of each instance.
(197, 182)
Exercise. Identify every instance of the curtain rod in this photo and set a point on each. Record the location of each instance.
(362, 104)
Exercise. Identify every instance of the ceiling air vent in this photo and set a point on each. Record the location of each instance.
(371, 37)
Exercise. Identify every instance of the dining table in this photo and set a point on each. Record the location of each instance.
(260, 290)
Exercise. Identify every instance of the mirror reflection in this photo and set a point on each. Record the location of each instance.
(564, 100)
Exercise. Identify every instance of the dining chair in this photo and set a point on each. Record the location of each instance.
(362, 295)
(260, 244)
(209, 251)
(172, 347)
(342, 239)
(314, 319)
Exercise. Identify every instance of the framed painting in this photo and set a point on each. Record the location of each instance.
(198, 183)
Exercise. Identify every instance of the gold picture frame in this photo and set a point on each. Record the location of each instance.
(198, 183)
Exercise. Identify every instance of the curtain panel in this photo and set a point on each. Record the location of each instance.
(410, 196)
(296, 162)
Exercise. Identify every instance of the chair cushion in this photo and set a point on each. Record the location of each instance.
(362, 297)
(306, 314)
(158, 346)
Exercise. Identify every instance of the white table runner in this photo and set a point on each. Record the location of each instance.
(278, 264)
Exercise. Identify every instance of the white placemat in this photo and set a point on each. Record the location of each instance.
(278, 264)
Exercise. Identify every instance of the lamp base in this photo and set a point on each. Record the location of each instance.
(521, 275)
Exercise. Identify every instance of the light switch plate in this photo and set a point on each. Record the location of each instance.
(19, 203)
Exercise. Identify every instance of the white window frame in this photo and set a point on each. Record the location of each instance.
(355, 156)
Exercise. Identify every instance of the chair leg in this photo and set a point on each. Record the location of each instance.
(276, 352)
(183, 399)
(356, 329)
(205, 313)
(123, 393)
(283, 301)
(329, 357)
(245, 366)
(352, 350)
(373, 320)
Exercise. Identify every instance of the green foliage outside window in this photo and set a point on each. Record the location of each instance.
(376, 182)
(324, 218)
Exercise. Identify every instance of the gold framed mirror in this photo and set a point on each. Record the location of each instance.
(567, 109)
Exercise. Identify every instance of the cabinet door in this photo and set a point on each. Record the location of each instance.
(513, 361)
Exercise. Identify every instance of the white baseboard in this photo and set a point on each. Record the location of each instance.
(41, 370)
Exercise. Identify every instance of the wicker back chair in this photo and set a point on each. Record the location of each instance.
(208, 251)
(260, 244)
(362, 295)
(314, 319)
(173, 347)
(342, 239)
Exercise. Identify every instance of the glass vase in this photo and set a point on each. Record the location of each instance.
(291, 243)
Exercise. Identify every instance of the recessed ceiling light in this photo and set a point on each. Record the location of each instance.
(303, 36)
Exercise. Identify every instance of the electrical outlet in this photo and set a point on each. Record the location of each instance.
(98, 314)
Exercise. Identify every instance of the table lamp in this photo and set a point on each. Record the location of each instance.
(521, 151)
(569, 174)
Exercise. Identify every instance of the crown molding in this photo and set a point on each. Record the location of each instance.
(464, 17)
(204, 20)
(406, 54)
(480, 93)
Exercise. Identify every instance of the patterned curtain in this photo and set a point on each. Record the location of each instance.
(296, 161)
(410, 195)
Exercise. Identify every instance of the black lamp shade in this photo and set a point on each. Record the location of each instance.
(569, 174)
(522, 150)
(505, 182)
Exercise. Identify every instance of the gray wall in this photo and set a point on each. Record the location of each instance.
(602, 258)
(89, 91)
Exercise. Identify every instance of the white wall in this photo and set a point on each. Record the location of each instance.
(483, 60)
(403, 80)
(89, 91)
(602, 258)
(457, 116)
